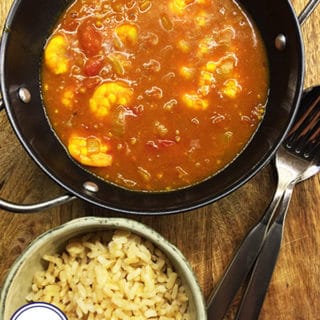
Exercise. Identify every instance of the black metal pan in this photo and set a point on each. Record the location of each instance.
(29, 24)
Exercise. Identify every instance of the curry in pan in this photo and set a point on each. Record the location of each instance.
(154, 95)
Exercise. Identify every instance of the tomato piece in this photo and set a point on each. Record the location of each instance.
(93, 66)
(166, 143)
(90, 39)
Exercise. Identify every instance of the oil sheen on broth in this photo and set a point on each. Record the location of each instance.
(154, 95)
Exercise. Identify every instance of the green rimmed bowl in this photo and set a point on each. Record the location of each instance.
(17, 284)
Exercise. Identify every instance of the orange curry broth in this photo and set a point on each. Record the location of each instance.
(154, 95)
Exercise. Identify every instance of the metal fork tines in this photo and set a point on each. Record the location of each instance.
(305, 133)
(297, 159)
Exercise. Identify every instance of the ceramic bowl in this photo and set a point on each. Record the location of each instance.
(18, 281)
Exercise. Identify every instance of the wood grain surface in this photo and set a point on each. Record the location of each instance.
(209, 236)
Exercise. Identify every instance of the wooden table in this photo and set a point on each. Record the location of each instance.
(208, 236)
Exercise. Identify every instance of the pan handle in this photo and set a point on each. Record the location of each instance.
(308, 9)
(32, 208)
(36, 207)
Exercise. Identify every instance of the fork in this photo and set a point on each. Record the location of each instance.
(297, 159)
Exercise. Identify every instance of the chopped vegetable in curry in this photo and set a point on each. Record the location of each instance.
(155, 95)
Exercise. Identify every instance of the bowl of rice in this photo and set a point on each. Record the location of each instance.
(104, 268)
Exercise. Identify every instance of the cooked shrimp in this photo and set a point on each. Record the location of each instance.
(194, 101)
(89, 151)
(56, 54)
(127, 34)
(110, 94)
